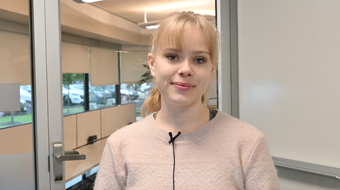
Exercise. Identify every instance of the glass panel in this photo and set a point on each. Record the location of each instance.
(73, 93)
(16, 128)
(102, 96)
(22, 116)
(89, 51)
(135, 93)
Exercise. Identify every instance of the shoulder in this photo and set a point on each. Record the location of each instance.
(236, 134)
(130, 132)
(230, 124)
(243, 139)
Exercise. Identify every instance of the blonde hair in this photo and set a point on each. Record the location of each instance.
(170, 33)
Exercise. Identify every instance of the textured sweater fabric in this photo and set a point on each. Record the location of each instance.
(225, 154)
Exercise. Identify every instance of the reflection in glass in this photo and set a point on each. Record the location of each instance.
(73, 93)
(135, 93)
(24, 115)
(16, 127)
(102, 96)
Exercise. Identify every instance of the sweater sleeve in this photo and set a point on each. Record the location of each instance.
(108, 176)
(260, 172)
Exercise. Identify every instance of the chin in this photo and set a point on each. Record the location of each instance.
(187, 101)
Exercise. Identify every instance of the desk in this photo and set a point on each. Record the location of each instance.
(93, 155)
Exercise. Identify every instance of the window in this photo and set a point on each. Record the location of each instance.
(73, 93)
(135, 74)
(15, 68)
(23, 116)
(136, 93)
(102, 96)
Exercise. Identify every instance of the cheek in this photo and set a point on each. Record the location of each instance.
(164, 72)
(205, 78)
(205, 84)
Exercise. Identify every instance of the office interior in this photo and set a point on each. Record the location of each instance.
(71, 73)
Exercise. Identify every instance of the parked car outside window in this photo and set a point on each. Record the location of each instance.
(126, 93)
(73, 96)
(100, 94)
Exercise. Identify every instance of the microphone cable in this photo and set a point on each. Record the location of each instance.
(172, 141)
(212, 114)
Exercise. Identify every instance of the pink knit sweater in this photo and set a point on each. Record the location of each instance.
(225, 154)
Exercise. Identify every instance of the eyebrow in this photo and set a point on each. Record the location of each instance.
(176, 50)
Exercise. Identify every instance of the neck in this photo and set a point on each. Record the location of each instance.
(184, 119)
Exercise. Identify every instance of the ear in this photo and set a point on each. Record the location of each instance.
(213, 70)
(151, 60)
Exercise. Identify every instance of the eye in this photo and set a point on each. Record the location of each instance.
(172, 57)
(199, 60)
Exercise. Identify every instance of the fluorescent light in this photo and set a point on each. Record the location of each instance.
(120, 51)
(152, 26)
(149, 25)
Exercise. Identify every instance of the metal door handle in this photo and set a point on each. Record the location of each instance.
(70, 155)
(59, 157)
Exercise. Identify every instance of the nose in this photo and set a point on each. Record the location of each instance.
(185, 69)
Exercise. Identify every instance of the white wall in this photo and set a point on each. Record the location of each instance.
(289, 179)
(298, 180)
(289, 76)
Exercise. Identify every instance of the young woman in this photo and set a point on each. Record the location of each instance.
(183, 144)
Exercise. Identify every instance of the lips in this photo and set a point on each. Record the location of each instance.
(183, 86)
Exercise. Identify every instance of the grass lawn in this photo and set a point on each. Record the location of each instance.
(74, 110)
(17, 119)
(6, 121)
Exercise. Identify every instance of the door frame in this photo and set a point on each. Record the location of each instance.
(227, 71)
(47, 88)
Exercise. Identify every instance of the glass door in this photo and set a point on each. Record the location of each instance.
(17, 168)
(31, 121)
(48, 113)
(38, 93)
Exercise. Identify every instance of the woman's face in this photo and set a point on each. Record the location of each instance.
(183, 75)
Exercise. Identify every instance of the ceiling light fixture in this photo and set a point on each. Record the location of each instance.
(86, 1)
(152, 27)
(145, 17)
(149, 25)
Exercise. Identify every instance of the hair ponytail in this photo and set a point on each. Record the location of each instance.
(152, 102)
